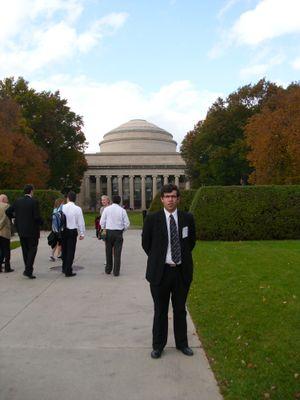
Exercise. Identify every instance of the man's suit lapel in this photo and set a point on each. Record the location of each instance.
(163, 224)
(180, 223)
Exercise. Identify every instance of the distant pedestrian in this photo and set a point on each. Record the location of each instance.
(5, 235)
(105, 201)
(26, 212)
(74, 225)
(56, 230)
(114, 221)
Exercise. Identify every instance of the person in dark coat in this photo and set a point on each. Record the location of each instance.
(26, 212)
(168, 239)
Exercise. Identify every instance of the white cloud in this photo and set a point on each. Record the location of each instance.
(261, 69)
(18, 14)
(226, 7)
(296, 63)
(268, 20)
(256, 70)
(175, 107)
(35, 33)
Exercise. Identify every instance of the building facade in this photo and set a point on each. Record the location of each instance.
(134, 161)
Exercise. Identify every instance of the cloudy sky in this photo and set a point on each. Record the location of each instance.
(161, 60)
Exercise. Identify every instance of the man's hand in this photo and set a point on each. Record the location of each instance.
(81, 237)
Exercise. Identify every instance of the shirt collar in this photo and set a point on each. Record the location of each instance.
(167, 213)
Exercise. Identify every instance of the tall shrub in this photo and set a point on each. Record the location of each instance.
(247, 212)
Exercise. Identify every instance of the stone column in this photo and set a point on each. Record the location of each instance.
(177, 180)
(143, 194)
(166, 178)
(187, 185)
(87, 191)
(98, 185)
(109, 186)
(120, 187)
(131, 191)
(154, 186)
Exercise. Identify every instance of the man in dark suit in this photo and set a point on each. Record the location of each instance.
(168, 239)
(26, 212)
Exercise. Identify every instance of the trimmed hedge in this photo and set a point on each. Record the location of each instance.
(45, 198)
(247, 212)
(186, 198)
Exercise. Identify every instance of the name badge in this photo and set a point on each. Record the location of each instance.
(185, 232)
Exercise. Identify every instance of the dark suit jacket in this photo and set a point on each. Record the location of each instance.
(155, 245)
(26, 212)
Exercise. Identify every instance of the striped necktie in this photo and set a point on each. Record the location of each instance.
(175, 244)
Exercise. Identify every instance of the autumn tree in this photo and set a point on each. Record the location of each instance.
(54, 128)
(216, 151)
(21, 160)
(273, 136)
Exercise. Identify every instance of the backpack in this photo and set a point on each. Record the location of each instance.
(59, 222)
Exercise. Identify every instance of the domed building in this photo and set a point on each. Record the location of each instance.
(134, 161)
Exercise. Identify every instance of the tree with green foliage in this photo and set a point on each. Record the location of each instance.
(215, 152)
(54, 128)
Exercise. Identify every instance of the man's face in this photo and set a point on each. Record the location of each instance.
(104, 201)
(170, 201)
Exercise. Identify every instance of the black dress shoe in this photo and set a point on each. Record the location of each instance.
(156, 353)
(9, 270)
(72, 274)
(29, 276)
(186, 351)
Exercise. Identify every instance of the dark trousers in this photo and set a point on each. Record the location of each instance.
(113, 249)
(29, 249)
(69, 239)
(4, 253)
(172, 285)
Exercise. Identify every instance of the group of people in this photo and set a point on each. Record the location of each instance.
(25, 212)
(168, 238)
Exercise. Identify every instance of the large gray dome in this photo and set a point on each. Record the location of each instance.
(138, 136)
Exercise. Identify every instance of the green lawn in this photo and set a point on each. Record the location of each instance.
(245, 304)
(15, 244)
(135, 217)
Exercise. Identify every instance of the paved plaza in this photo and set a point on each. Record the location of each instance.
(89, 337)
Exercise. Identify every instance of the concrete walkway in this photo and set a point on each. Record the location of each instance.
(89, 337)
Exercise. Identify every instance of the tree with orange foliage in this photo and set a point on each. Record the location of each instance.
(273, 136)
(21, 161)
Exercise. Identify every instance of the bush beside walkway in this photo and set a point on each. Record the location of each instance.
(244, 302)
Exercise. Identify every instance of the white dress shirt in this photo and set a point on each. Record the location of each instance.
(175, 215)
(114, 217)
(74, 217)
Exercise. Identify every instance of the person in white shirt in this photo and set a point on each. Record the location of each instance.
(74, 225)
(115, 221)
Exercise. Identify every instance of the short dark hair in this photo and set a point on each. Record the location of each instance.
(28, 188)
(168, 188)
(71, 196)
(116, 199)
